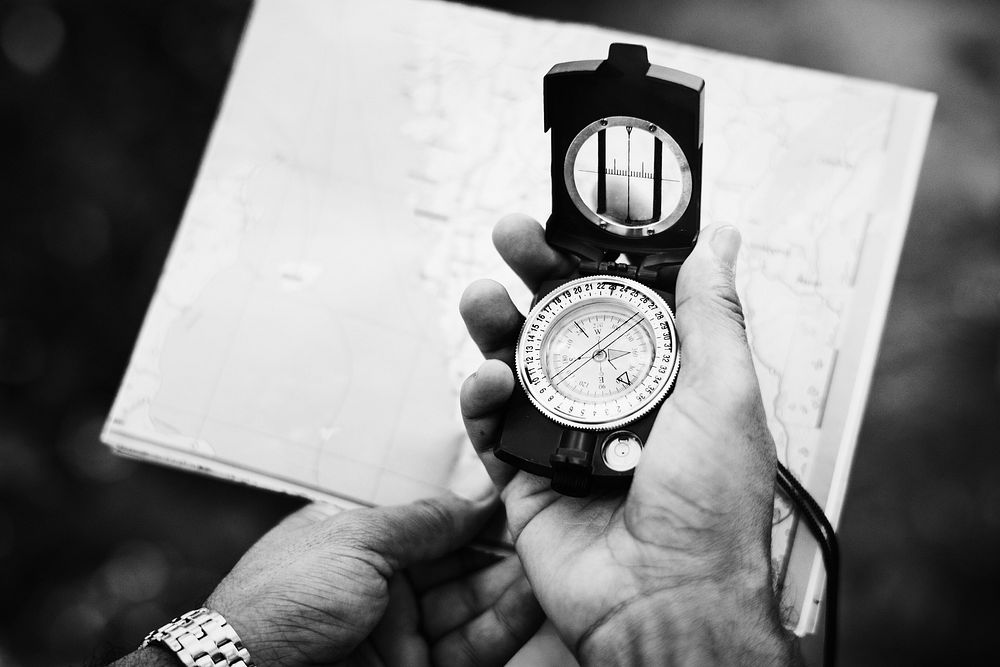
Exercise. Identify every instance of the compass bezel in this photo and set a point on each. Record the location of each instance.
(656, 384)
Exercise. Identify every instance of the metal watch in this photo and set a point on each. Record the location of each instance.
(202, 638)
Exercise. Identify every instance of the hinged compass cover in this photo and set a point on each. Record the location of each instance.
(626, 157)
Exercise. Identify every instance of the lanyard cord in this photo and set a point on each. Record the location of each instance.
(820, 527)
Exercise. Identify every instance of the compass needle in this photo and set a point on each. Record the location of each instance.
(616, 354)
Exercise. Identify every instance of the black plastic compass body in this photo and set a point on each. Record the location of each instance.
(598, 353)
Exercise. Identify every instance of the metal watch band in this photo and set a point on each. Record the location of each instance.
(202, 638)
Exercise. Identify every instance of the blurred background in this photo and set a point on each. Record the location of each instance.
(105, 108)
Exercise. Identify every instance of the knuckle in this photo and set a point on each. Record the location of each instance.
(728, 303)
(458, 649)
(433, 516)
(360, 530)
(509, 612)
(722, 304)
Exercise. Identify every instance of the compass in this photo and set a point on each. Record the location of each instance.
(598, 353)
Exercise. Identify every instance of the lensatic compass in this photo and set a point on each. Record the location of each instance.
(598, 352)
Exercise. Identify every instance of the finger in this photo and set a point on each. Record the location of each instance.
(715, 418)
(432, 574)
(405, 534)
(396, 638)
(492, 319)
(455, 603)
(520, 240)
(483, 398)
(494, 636)
(710, 323)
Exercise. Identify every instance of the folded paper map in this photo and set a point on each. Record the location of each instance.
(305, 336)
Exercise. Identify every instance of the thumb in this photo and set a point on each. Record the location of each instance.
(710, 439)
(710, 322)
(425, 529)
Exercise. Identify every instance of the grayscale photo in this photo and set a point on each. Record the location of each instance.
(533, 334)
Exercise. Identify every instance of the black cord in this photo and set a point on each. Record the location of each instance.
(821, 529)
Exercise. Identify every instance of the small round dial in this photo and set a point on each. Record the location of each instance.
(598, 352)
(628, 176)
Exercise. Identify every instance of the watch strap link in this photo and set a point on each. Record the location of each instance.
(202, 638)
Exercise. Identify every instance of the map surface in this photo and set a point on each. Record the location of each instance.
(305, 335)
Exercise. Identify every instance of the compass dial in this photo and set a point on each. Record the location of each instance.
(598, 352)
(628, 176)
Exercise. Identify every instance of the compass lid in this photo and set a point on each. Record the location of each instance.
(589, 98)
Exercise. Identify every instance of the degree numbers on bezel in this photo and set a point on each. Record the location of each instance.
(598, 352)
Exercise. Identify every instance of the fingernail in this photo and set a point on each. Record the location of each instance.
(318, 511)
(324, 509)
(726, 244)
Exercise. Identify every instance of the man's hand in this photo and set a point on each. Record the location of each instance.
(678, 569)
(381, 586)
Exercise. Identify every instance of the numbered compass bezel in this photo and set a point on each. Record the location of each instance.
(605, 222)
(655, 385)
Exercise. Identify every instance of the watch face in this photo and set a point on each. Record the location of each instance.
(628, 176)
(598, 352)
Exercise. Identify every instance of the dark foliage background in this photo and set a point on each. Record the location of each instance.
(105, 108)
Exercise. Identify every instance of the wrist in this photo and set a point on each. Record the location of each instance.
(703, 625)
(200, 637)
(148, 656)
(259, 636)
